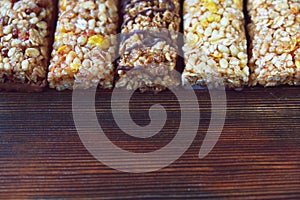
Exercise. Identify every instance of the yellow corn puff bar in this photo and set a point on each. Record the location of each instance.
(215, 49)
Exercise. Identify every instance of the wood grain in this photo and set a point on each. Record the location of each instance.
(257, 156)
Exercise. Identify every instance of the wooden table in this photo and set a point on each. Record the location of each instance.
(256, 157)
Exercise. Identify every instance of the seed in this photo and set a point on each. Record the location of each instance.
(7, 30)
(211, 63)
(224, 22)
(88, 5)
(223, 63)
(77, 60)
(86, 63)
(278, 21)
(290, 63)
(81, 24)
(234, 50)
(242, 55)
(208, 31)
(11, 52)
(192, 39)
(82, 40)
(70, 57)
(7, 66)
(269, 57)
(92, 23)
(223, 49)
(34, 20)
(25, 65)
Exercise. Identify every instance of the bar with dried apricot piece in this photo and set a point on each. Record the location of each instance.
(84, 47)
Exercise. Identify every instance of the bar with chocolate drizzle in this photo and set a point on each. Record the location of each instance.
(148, 47)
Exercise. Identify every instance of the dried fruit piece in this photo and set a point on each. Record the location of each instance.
(99, 40)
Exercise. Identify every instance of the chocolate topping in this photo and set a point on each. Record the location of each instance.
(149, 38)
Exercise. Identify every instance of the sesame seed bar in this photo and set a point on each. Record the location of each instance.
(26, 27)
(148, 50)
(215, 48)
(85, 43)
(274, 31)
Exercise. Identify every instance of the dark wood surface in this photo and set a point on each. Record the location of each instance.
(257, 156)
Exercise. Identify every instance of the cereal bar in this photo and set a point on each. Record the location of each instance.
(85, 44)
(274, 30)
(26, 27)
(215, 48)
(148, 49)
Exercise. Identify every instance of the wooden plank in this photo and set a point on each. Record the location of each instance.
(257, 156)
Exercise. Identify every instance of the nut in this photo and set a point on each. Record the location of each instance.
(32, 52)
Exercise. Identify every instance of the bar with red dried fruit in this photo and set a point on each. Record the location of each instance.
(26, 28)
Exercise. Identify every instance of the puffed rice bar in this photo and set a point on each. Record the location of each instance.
(85, 43)
(148, 50)
(215, 48)
(275, 42)
(26, 28)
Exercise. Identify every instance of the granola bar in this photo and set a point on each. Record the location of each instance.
(215, 48)
(148, 50)
(275, 42)
(25, 36)
(85, 44)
